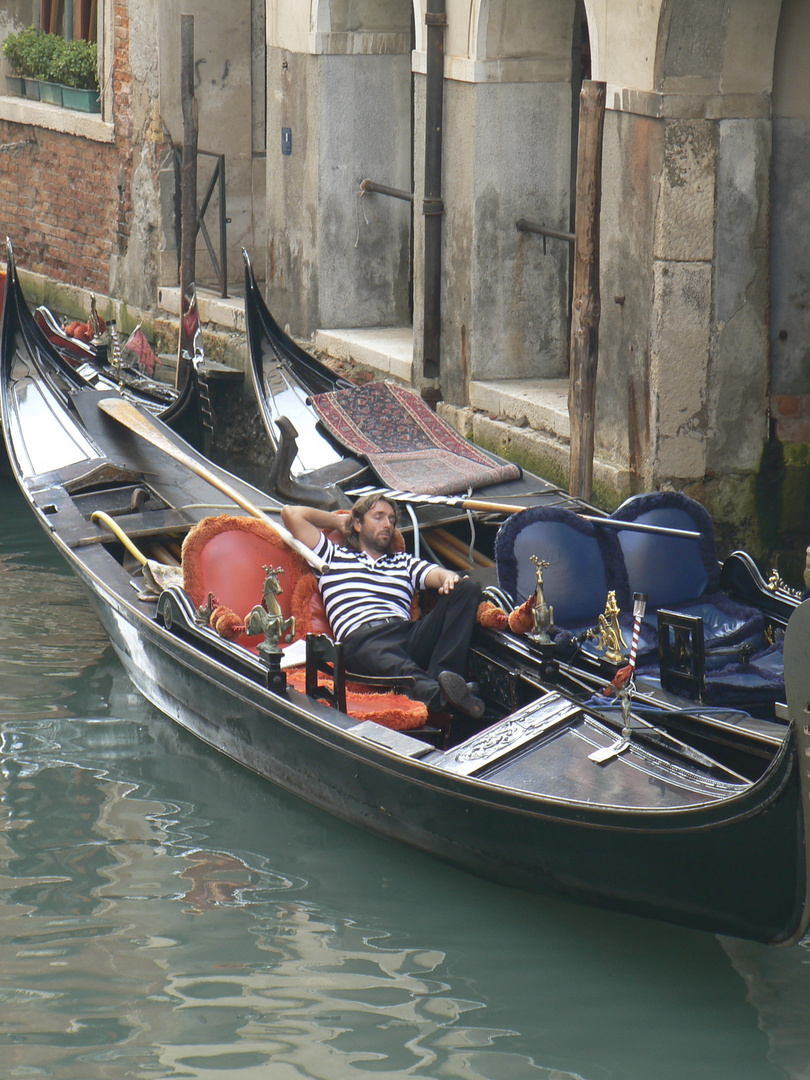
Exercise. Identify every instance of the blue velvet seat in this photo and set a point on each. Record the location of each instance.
(682, 574)
(585, 563)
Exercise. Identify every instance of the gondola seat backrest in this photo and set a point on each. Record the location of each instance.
(680, 573)
(226, 556)
(584, 564)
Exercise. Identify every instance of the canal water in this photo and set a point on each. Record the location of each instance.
(165, 914)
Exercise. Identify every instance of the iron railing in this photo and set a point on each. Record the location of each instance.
(216, 183)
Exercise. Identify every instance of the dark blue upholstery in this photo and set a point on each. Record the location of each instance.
(585, 564)
(683, 574)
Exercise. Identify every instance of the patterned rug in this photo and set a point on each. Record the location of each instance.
(406, 443)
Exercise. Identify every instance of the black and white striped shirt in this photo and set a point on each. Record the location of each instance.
(357, 589)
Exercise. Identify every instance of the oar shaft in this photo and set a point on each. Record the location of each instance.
(505, 508)
(127, 415)
(640, 526)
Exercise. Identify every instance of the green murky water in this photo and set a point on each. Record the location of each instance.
(164, 914)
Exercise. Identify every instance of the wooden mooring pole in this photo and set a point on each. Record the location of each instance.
(586, 304)
(188, 182)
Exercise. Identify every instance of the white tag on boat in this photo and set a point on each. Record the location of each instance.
(607, 752)
(294, 655)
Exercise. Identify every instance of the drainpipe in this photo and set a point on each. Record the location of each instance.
(433, 206)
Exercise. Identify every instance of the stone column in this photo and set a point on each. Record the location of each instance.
(506, 156)
(339, 103)
(683, 342)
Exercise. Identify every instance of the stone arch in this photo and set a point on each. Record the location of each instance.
(504, 29)
(716, 47)
(360, 16)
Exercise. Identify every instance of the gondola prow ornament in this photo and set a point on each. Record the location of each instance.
(267, 618)
(543, 614)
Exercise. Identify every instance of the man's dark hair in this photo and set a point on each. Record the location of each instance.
(359, 511)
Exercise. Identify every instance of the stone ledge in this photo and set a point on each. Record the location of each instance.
(40, 114)
(540, 452)
(538, 404)
(386, 349)
(228, 313)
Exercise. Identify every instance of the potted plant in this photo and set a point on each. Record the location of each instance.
(19, 50)
(75, 66)
(43, 52)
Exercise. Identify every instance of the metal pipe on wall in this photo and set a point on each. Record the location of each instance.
(433, 206)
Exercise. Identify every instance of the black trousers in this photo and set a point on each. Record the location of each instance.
(422, 649)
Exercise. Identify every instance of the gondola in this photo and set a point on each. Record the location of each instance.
(713, 631)
(708, 832)
(94, 367)
(309, 458)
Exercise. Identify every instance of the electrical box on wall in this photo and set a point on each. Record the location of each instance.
(286, 141)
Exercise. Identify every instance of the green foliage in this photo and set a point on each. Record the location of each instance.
(75, 63)
(33, 54)
(24, 52)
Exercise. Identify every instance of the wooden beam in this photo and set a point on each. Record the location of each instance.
(188, 185)
(586, 305)
(56, 15)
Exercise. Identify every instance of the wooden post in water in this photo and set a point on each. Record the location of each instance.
(188, 183)
(586, 304)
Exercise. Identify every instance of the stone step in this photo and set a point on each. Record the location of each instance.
(388, 349)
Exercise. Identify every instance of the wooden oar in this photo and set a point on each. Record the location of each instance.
(506, 508)
(127, 415)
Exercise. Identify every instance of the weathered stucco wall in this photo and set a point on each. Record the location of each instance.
(224, 65)
(335, 260)
(14, 16)
(505, 299)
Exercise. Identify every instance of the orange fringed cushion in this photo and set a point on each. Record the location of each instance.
(491, 616)
(226, 623)
(521, 620)
(391, 710)
(307, 607)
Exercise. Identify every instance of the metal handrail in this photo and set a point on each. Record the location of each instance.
(523, 225)
(383, 189)
(217, 181)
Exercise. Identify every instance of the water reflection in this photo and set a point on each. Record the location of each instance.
(49, 636)
(172, 916)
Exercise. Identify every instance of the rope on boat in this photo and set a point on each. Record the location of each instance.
(119, 533)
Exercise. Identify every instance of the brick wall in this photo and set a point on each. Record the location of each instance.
(65, 201)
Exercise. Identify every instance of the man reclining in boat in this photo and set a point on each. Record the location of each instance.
(367, 591)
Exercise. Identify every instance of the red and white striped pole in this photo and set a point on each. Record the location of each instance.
(639, 610)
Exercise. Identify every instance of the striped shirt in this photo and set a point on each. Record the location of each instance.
(357, 589)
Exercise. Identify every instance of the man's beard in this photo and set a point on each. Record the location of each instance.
(376, 544)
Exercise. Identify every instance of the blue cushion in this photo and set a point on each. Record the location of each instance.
(585, 563)
(669, 569)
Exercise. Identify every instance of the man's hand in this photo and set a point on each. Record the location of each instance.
(443, 580)
(306, 523)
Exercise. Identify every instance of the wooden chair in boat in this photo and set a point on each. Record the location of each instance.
(325, 657)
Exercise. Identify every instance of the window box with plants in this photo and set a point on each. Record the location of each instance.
(75, 68)
(46, 67)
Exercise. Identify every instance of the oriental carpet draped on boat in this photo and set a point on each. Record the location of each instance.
(406, 443)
